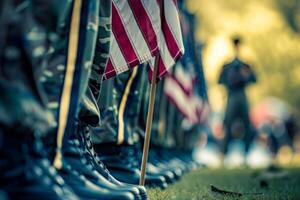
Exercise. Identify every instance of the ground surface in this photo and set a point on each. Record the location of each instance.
(196, 185)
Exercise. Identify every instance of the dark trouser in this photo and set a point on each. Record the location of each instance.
(120, 107)
(22, 102)
(237, 123)
(24, 118)
(67, 74)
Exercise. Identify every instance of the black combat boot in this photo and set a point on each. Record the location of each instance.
(80, 183)
(86, 189)
(100, 167)
(123, 165)
(152, 167)
(76, 155)
(25, 171)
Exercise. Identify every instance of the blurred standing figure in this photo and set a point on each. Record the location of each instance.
(235, 76)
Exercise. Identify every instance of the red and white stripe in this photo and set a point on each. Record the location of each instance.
(177, 96)
(179, 89)
(140, 31)
(170, 37)
(185, 80)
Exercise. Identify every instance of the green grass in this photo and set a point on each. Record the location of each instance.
(196, 185)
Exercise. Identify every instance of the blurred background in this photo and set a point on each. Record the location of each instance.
(270, 31)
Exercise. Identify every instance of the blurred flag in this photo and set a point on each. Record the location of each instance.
(143, 29)
(202, 109)
(192, 58)
(179, 89)
(186, 88)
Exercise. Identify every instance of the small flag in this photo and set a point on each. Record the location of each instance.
(141, 30)
(171, 46)
(179, 89)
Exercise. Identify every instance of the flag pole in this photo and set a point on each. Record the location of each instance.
(149, 121)
(150, 114)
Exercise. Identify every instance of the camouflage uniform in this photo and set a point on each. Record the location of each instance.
(23, 46)
(90, 112)
(25, 171)
(121, 113)
(68, 67)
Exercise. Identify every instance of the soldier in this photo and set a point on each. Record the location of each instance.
(25, 171)
(236, 76)
(73, 86)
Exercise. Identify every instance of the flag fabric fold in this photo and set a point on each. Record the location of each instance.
(141, 30)
(180, 91)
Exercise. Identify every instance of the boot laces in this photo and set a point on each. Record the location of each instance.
(91, 150)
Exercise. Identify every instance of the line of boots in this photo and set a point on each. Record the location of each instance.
(98, 156)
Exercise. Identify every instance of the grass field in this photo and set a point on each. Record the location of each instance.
(196, 185)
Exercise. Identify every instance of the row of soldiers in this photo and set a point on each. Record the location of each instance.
(66, 134)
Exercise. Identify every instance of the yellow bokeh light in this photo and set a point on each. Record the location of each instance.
(269, 45)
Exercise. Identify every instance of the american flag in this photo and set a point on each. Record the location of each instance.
(141, 30)
(179, 89)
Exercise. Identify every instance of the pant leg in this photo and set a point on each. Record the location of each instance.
(134, 103)
(69, 68)
(115, 126)
(90, 112)
(22, 102)
(227, 138)
(158, 120)
(248, 128)
(170, 128)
